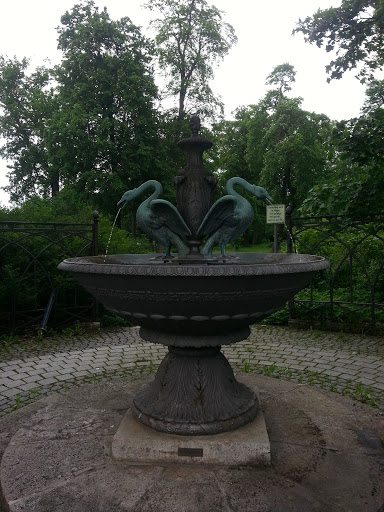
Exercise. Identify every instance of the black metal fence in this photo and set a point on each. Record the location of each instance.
(351, 291)
(31, 288)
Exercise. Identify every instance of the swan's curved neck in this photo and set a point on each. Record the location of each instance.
(149, 184)
(237, 181)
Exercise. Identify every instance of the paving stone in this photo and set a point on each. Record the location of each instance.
(10, 392)
(370, 372)
(18, 376)
(324, 367)
(347, 376)
(332, 373)
(46, 365)
(354, 369)
(47, 382)
(67, 376)
(289, 360)
(55, 367)
(8, 374)
(81, 374)
(17, 383)
(112, 367)
(27, 386)
(365, 381)
(295, 367)
(345, 358)
(32, 378)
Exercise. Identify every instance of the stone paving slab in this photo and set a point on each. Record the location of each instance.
(347, 363)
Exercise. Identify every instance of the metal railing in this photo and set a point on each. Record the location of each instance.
(352, 289)
(31, 287)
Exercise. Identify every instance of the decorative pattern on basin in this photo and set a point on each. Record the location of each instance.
(198, 299)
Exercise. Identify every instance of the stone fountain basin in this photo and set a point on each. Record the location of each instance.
(196, 304)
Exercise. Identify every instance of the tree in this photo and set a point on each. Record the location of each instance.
(295, 155)
(26, 101)
(230, 145)
(355, 30)
(97, 129)
(275, 143)
(104, 134)
(282, 76)
(191, 38)
(285, 144)
(355, 183)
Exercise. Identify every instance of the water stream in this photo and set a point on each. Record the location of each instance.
(110, 236)
(292, 239)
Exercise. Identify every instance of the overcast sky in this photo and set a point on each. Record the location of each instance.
(264, 30)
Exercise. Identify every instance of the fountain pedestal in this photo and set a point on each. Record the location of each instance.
(248, 445)
(194, 393)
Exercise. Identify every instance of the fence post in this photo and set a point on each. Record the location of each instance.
(288, 225)
(95, 250)
(95, 234)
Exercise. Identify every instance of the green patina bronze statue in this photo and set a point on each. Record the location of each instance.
(226, 220)
(229, 217)
(158, 218)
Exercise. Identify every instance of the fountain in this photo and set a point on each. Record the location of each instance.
(190, 440)
(194, 302)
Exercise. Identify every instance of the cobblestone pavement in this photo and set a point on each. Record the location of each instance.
(346, 363)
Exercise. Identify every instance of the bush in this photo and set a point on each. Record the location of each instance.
(28, 263)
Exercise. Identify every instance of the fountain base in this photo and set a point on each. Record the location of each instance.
(246, 446)
(194, 393)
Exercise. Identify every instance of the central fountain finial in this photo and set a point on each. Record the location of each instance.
(194, 185)
(195, 125)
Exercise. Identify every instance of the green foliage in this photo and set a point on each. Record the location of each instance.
(282, 76)
(90, 122)
(112, 321)
(354, 30)
(28, 264)
(191, 37)
(275, 143)
(294, 156)
(103, 135)
(279, 318)
(26, 101)
(354, 183)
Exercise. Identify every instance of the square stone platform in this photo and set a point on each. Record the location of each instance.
(246, 446)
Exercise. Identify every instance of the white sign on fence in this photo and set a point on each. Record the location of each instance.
(276, 214)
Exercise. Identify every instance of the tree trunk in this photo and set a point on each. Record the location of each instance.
(55, 187)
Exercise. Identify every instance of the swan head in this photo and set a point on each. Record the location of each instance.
(261, 193)
(128, 196)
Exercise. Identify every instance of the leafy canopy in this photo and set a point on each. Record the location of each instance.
(354, 31)
(26, 109)
(90, 121)
(354, 184)
(191, 38)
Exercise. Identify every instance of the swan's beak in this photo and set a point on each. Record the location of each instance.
(123, 201)
(262, 194)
